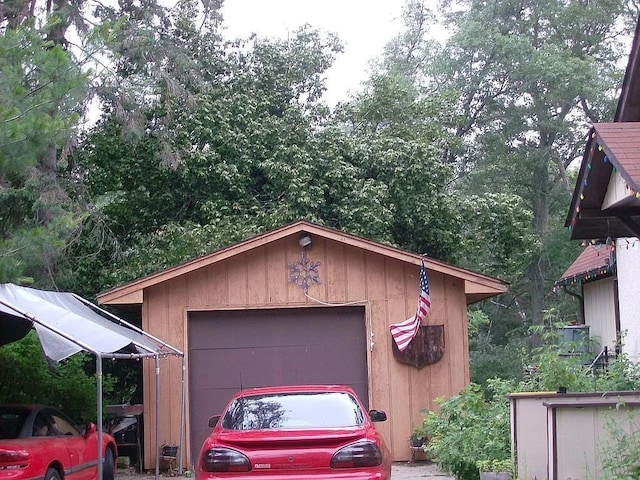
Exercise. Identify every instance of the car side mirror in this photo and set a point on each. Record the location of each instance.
(213, 421)
(89, 429)
(377, 416)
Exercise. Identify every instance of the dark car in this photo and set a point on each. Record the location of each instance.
(39, 442)
(298, 432)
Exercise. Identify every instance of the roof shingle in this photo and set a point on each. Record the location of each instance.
(594, 261)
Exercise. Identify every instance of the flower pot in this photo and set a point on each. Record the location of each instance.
(495, 476)
(417, 442)
(169, 450)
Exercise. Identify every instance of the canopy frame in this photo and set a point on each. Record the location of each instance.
(171, 351)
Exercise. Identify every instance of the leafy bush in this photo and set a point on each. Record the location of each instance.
(550, 370)
(472, 428)
(621, 458)
(495, 466)
(26, 377)
(468, 429)
(622, 374)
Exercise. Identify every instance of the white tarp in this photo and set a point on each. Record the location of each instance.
(66, 313)
(67, 324)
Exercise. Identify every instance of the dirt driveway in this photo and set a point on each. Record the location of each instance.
(399, 471)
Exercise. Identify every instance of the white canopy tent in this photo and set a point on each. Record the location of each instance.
(67, 324)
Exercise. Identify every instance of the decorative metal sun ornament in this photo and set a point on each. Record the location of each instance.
(304, 272)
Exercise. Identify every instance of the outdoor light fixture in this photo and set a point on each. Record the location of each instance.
(304, 240)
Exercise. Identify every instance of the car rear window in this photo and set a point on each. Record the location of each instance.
(11, 421)
(293, 411)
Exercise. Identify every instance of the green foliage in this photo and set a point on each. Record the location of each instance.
(487, 357)
(400, 144)
(251, 149)
(553, 370)
(519, 125)
(622, 374)
(498, 239)
(471, 429)
(39, 96)
(495, 466)
(41, 93)
(621, 455)
(468, 429)
(489, 361)
(26, 377)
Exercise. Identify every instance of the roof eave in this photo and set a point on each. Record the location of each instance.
(484, 286)
(595, 274)
(629, 102)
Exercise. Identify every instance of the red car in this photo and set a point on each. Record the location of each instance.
(298, 432)
(38, 442)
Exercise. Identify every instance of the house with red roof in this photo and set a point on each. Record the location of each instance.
(605, 214)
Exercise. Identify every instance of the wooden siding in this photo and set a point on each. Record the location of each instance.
(628, 275)
(259, 278)
(477, 286)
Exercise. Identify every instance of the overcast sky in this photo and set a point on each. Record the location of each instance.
(364, 26)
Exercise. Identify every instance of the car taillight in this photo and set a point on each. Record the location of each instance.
(360, 454)
(225, 460)
(13, 459)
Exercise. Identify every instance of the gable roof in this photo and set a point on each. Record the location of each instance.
(477, 286)
(595, 261)
(610, 147)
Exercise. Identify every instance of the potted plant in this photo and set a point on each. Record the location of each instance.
(418, 444)
(495, 469)
(418, 440)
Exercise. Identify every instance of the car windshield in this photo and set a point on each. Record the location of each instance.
(11, 421)
(293, 410)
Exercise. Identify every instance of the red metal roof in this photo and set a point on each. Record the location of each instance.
(610, 146)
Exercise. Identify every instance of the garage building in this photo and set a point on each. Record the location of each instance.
(301, 304)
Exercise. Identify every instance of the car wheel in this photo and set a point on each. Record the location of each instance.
(108, 465)
(52, 474)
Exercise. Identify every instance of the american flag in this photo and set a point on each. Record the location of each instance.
(405, 331)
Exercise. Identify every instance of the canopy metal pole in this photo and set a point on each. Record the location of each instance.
(173, 351)
(181, 443)
(99, 419)
(99, 374)
(98, 371)
(157, 420)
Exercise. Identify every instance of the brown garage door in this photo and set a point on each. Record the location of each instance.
(230, 350)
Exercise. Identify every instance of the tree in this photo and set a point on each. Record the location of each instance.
(250, 146)
(400, 141)
(41, 91)
(530, 77)
(59, 55)
(232, 154)
(526, 79)
(26, 377)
